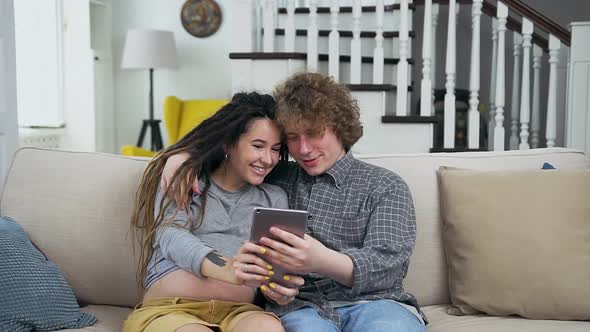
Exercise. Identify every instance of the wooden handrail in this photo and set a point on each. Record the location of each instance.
(540, 20)
(514, 25)
(524, 10)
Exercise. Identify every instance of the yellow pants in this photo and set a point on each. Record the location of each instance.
(170, 313)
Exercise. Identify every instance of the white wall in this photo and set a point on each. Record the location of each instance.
(204, 72)
(562, 12)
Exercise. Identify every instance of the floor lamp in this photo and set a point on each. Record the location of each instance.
(150, 49)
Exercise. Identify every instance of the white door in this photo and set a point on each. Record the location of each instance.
(8, 112)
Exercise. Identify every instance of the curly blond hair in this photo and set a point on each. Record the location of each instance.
(317, 102)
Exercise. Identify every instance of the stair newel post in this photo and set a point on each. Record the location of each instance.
(334, 42)
(449, 112)
(551, 130)
(312, 37)
(426, 85)
(355, 44)
(474, 76)
(536, 112)
(525, 101)
(499, 131)
(290, 27)
(402, 65)
(577, 103)
(268, 12)
(514, 105)
(378, 57)
(492, 110)
(435, 12)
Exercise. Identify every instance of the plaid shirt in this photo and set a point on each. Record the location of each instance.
(363, 211)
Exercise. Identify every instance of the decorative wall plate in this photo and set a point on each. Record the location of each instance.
(200, 18)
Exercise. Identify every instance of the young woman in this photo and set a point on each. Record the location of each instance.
(189, 278)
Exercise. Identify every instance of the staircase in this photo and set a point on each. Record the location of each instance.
(367, 45)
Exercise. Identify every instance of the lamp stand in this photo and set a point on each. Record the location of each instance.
(153, 124)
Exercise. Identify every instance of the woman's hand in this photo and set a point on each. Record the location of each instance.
(252, 270)
(279, 294)
(256, 272)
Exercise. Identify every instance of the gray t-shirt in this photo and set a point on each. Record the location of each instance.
(225, 227)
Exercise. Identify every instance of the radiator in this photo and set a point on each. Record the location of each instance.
(47, 138)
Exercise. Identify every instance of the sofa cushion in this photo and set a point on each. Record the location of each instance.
(34, 293)
(440, 321)
(110, 319)
(427, 275)
(518, 242)
(76, 207)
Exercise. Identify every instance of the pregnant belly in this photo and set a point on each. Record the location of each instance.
(181, 283)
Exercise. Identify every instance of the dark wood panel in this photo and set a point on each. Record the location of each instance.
(409, 119)
(345, 9)
(303, 56)
(345, 33)
(438, 150)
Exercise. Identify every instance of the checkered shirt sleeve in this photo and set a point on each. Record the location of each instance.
(380, 263)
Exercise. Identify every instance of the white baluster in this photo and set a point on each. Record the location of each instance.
(426, 86)
(334, 43)
(525, 101)
(378, 57)
(551, 131)
(473, 128)
(290, 27)
(492, 110)
(312, 38)
(535, 120)
(355, 44)
(435, 12)
(449, 115)
(402, 65)
(500, 78)
(269, 26)
(514, 110)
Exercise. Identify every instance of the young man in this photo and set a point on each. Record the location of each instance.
(361, 228)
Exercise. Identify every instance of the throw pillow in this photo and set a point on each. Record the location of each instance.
(34, 294)
(517, 242)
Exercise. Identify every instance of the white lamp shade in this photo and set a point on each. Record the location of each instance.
(149, 49)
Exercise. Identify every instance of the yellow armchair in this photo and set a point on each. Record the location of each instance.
(180, 117)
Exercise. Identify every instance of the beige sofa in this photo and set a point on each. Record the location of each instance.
(75, 206)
